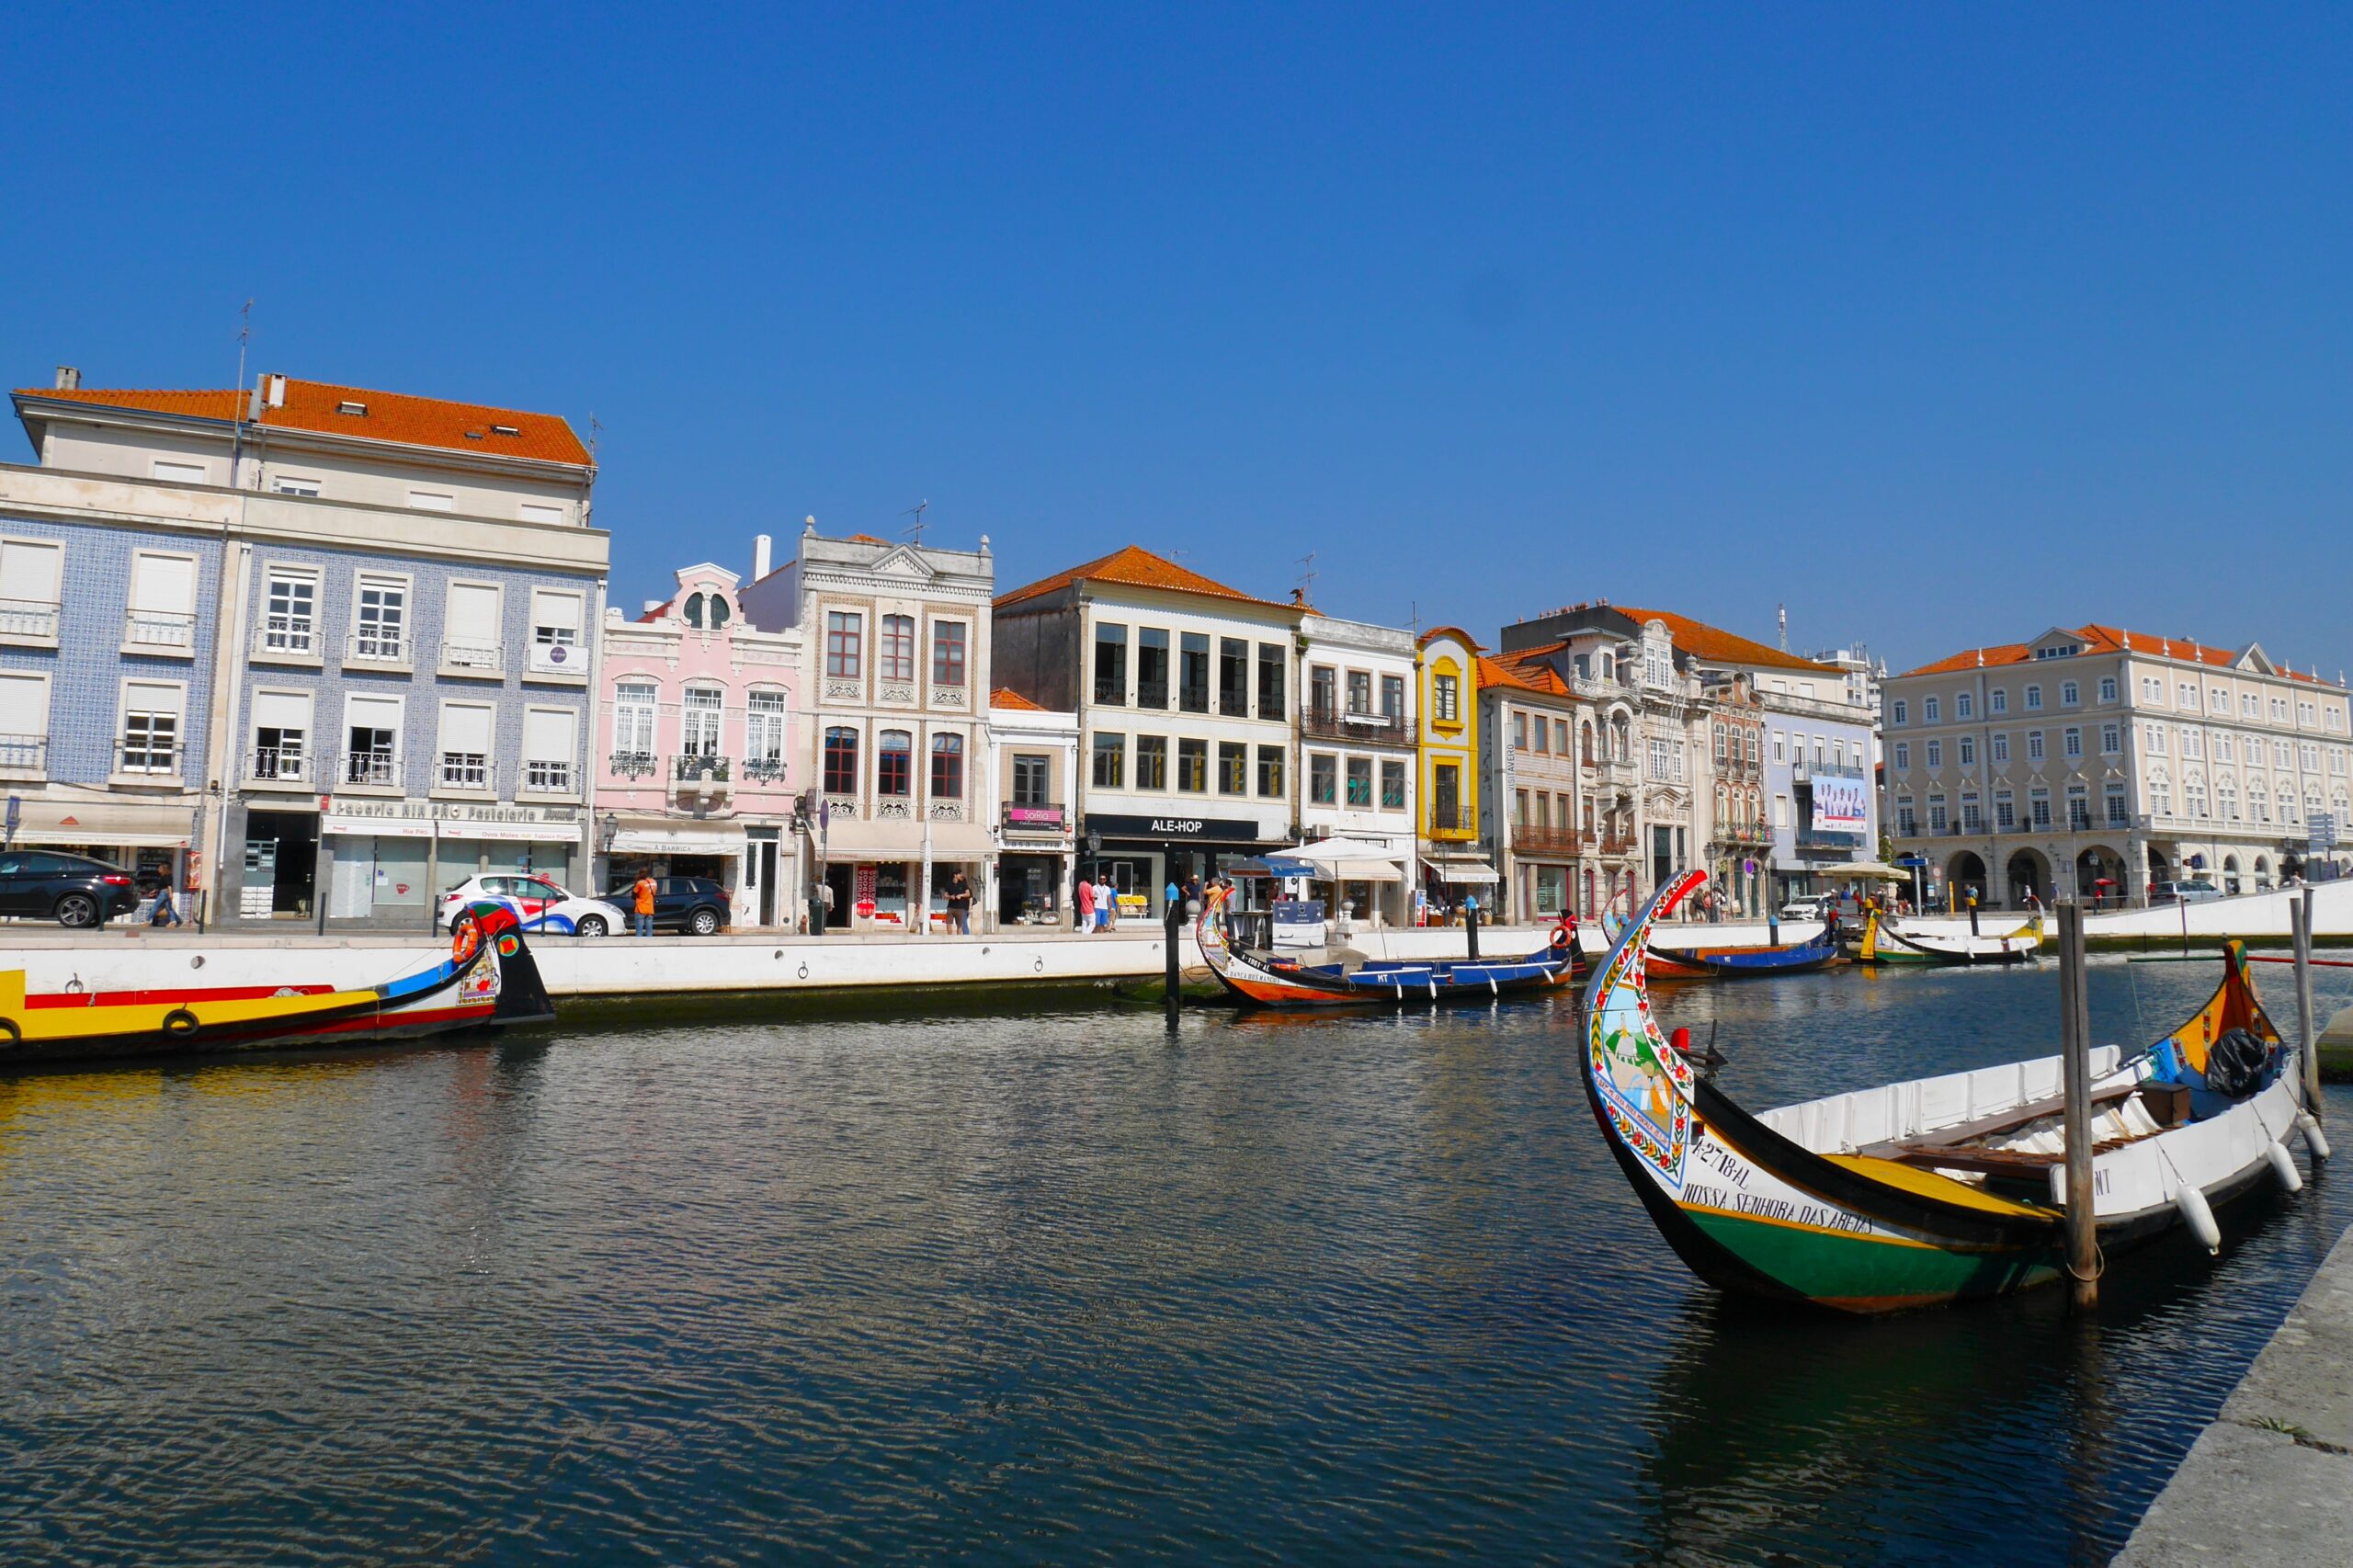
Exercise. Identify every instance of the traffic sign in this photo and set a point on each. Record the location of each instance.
(2320, 828)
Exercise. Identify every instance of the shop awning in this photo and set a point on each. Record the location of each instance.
(1463, 872)
(681, 840)
(1867, 871)
(1272, 865)
(377, 827)
(127, 824)
(1351, 860)
(515, 832)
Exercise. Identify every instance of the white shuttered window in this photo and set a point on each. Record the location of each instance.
(30, 572)
(471, 639)
(465, 745)
(551, 741)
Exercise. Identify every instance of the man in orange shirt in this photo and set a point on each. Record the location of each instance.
(644, 895)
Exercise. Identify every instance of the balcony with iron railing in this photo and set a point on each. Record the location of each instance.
(1565, 842)
(279, 765)
(167, 633)
(368, 770)
(701, 774)
(766, 770)
(547, 775)
(29, 621)
(467, 771)
(377, 644)
(479, 660)
(1362, 729)
(632, 765)
(292, 638)
(24, 756)
(1450, 818)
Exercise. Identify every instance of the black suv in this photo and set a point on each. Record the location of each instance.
(71, 889)
(695, 905)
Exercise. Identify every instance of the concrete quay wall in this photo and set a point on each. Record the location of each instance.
(2271, 1481)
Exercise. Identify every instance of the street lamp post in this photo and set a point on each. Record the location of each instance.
(609, 828)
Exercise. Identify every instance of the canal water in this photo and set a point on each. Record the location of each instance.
(988, 1285)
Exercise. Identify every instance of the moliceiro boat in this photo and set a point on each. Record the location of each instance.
(1272, 979)
(488, 977)
(1816, 952)
(1941, 1188)
(1885, 942)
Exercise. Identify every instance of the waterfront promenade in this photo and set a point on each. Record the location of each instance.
(2271, 1481)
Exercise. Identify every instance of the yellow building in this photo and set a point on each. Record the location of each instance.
(1452, 863)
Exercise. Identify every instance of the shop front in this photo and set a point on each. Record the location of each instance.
(152, 841)
(713, 851)
(387, 862)
(1139, 855)
(887, 875)
(1033, 866)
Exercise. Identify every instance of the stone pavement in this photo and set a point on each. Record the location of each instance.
(2271, 1481)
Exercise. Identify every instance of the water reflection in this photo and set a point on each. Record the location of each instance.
(1049, 1284)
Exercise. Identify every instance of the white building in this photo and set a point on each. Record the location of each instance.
(1036, 816)
(1357, 740)
(895, 705)
(1183, 690)
(2093, 761)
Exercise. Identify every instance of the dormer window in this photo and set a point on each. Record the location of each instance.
(705, 611)
(505, 431)
(357, 409)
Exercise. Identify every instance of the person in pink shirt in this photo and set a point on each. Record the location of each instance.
(1084, 895)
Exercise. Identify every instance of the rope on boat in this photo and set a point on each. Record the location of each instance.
(2099, 1266)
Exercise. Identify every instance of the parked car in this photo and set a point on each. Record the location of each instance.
(538, 904)
(695, 905)
(1809, 907)
(2184, 893)
(71, 890)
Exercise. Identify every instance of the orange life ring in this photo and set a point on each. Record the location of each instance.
(465, 937)
(1561, 937)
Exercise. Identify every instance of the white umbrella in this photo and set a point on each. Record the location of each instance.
(1351, 860)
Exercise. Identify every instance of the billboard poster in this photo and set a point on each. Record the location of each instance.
(1840, 803)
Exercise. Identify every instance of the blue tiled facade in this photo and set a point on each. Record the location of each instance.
(424, 689)
(88, 667)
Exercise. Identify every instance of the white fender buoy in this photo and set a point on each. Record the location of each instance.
(2200, 1217)
(2315, 1140)
(2283, 1166)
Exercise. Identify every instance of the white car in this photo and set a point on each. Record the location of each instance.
(1808, 906)
(538, 904)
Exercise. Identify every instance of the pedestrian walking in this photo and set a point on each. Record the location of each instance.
(165, 912)
(959, 904)
(1085, 899)
(642, 895)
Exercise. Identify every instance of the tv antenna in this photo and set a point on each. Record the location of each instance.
(1307, 575)
(595, 434)
(915, 530)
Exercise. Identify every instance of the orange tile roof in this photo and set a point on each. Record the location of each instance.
(391, 416)
(1134, 567)
(1521, 673)
(1012, 701)
(1707, 642)
(2098, 639)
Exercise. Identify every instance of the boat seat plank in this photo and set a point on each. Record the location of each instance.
(2018, 1116)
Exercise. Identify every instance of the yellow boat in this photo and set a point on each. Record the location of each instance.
(488, 977)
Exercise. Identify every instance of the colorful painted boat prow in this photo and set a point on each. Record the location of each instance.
(1916, 1194)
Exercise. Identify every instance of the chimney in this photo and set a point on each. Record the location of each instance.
(278, 391)
(68, 378)
(761, 546)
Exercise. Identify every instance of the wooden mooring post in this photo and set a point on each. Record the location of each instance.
(1172, 928)
(2075, 1055)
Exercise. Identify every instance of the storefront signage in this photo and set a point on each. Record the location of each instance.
(452, 810)
(862, 893)
(379, 827)
(1034, 819)
(1229, 830)
(1839, 802)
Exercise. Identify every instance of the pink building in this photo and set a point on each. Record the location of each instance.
(698, 753)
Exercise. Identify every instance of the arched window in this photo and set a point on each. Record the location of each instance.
(634, 710)
(841, 760)
(764, 721)
(947, 767)
(894, 752)
(1584, 744)
(705, 611)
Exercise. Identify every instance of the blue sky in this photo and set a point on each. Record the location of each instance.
(1938, 325)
